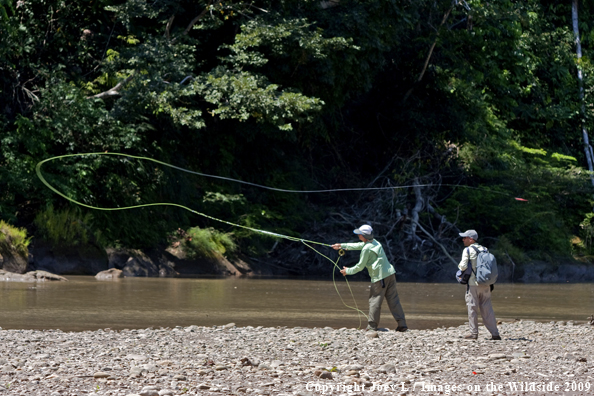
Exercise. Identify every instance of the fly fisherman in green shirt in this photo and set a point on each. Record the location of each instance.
(382, 273)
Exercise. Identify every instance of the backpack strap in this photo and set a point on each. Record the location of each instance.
(469, 263)
(477, 252)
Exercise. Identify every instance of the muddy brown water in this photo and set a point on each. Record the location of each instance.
(84, 303)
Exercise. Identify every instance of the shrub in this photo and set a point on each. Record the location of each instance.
(67, 228)
(208, 242)
(13, 238)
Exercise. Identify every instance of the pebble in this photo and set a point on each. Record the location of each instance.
(221, 360)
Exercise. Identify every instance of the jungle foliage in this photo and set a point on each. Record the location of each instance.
(299, 94)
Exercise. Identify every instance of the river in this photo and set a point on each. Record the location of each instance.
(84, 303)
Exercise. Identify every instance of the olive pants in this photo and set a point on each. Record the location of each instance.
(478, 298)
(376, 297)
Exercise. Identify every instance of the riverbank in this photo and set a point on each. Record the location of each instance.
(293, 260)
(550, 358)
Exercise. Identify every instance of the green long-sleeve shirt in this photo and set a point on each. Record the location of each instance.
(373, 258)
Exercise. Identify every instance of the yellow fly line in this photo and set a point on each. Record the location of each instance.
(264, 232)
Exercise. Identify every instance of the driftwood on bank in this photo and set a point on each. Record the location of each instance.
(32, 276)
(419, 240)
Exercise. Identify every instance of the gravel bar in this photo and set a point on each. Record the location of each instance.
(532, 359)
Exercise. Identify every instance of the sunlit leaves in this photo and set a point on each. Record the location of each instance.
(244, 95)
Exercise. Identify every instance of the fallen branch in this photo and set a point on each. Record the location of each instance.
(415, 211)
(442, 218)
(434, 240)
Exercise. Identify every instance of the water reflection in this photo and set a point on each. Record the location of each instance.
(86, 304)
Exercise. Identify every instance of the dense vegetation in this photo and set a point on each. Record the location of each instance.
(477, 101)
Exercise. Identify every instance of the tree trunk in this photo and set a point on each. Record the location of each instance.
(576, 33)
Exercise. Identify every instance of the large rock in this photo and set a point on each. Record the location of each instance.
(134, 262)
(11, 261)
(110, 274)
(138, 266)
(573, 272)
(220, 265)
(87, 260)
(538, 271)
(117, 258)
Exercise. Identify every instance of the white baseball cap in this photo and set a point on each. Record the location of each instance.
(365, 230)
(470, 234)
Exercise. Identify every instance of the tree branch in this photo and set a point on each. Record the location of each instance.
(434, 240)
(445, 18)
(168, 27)
(115, 90)
(199, 17)
(442, 218)
(513, 265)
(415, 211)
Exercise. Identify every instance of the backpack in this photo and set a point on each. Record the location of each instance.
(486, 268)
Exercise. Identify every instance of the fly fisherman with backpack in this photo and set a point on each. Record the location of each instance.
(479, 278)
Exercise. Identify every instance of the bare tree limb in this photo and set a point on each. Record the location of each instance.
(168, 27)
(115, 90)
(442, 218)
(513, 265)
(434, 240)
(394, 223)
(415, 211)
(186, 79)
(329, 4)
(341, 215)
(383, 170)
(445, 18)
(199, 17)
(389, 250)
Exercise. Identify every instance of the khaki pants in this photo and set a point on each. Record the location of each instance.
(479, 298)
(376, 297)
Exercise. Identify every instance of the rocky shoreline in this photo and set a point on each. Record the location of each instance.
(533, 358)
(170, 261)
(157, 262)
